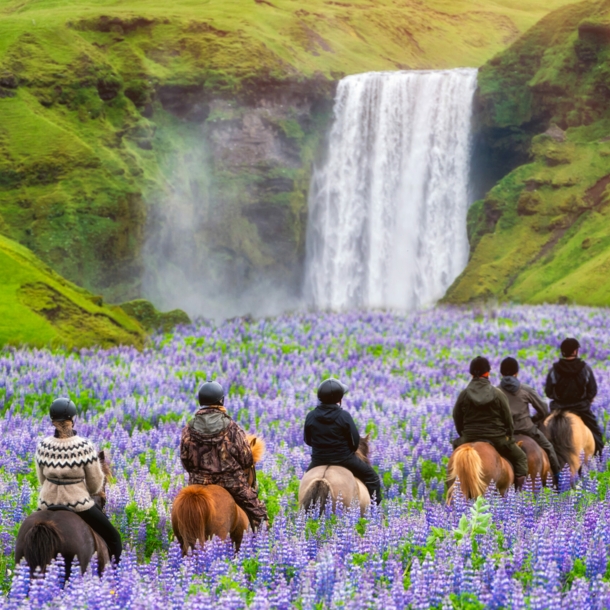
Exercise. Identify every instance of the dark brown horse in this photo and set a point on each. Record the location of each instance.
(477, 465)
(322, 482)
(538, 464)
(46, 534)
(200, 512)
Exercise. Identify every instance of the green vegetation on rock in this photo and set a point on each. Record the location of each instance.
(542, 233)
(40, 308)
(145, 313)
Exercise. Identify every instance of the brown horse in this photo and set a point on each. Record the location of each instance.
(570, 438)
(46, 534)
(477, 465)
(321, 482)
(200, 512)
(538, 464)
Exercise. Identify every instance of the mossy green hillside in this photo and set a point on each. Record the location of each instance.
(541, 234)
(40, 308)
(95, 97)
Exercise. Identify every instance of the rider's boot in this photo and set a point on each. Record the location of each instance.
(519, 482)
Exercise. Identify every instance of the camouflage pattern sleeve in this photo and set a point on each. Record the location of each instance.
(239, 446)
(186, 453)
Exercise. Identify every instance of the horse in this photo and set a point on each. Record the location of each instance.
(60, 531)
(477, 465)
(538, 464)
(570, 438)
(321, 482)
(200, 512)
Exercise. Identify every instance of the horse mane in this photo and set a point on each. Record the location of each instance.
(467, 465)
(258, 447)
(362, 453)
(191, 510)
(559, 431)
(41, 545)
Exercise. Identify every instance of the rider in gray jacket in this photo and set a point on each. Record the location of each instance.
(520, 397)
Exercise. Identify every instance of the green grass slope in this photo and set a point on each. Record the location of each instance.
(40, 308)
(95, 96)
(542, 234)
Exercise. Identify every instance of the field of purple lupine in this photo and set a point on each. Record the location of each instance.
(535, 549)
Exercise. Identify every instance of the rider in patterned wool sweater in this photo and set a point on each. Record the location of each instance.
(333, 437)
(214, 450)
(69, 471)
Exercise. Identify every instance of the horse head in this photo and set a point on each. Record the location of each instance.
(363, 449)
(100, 497)
(258, 451)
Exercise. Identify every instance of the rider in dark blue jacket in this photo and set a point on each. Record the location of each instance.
(333, 437)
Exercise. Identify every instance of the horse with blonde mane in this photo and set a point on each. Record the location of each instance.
(478, 464)
(200, 512)
(322, 482)
(571, 439)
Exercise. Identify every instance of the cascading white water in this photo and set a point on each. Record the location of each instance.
(387, 211)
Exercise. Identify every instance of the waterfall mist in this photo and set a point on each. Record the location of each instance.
(387, 210)
(188, 260)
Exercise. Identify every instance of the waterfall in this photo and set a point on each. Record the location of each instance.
(387, 210)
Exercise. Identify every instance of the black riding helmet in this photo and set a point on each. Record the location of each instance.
(211, 393)
(331, 391)
(62, 409)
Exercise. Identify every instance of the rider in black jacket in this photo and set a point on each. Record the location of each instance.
(571, 386)
(333, 437)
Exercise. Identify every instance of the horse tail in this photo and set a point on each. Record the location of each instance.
(559, 429)
(318, 491)
(192, 508)
(467, 465)
(42, 544)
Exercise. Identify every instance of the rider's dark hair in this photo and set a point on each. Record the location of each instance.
(569, 346)
(509, 366)
(479, 366)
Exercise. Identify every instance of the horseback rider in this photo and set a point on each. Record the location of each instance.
(214, 450)
(520, 396)
(482, 413)
(571, 386)
(69, 471)
(333, 437)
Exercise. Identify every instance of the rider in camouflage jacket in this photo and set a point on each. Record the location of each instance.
(214, 451)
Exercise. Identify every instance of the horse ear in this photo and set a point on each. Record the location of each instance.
(367, 438)
(253, 441)
(101, 456)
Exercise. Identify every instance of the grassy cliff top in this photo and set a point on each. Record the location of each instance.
(542, 233)
(40, 308)
(241, 38)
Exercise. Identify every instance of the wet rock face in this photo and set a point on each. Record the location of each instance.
(264, 148)
(250, 137)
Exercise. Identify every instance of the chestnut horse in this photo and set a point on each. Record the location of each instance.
(538, 464)
(477, 465)
(321, 482)
(200, 512)
(571, 439)
(48, 533)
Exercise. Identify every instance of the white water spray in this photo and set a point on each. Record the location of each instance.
(387, 211)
